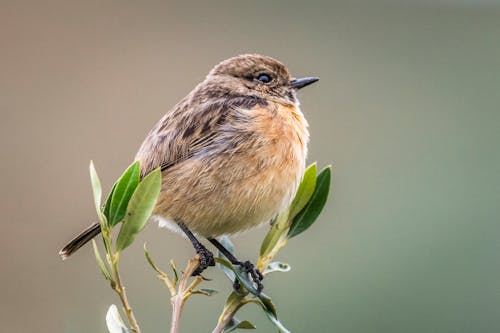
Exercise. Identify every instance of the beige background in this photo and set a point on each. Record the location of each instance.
(407, 110)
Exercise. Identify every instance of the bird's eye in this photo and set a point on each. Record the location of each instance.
(264, 78)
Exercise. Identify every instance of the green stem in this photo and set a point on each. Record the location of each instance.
(120, 290)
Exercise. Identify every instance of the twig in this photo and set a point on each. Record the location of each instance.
(113, 259)
(120, 290)
(183, 292)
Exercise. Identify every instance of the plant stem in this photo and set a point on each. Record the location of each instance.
(183, 293)
(177, 305)
(120, 290)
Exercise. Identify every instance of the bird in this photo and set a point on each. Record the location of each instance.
(231, 153)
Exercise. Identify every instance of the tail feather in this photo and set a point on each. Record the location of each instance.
(80, 240)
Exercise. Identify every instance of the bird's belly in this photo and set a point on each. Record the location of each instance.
(239, 185)
(213, 200)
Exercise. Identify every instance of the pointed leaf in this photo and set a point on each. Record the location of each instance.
(226, 267)
(151, 263)
(122, 192)
(270, 310)
(282, 222)
(139, 209)
(206, 292)
(235, 323)
(234, 301)
(108, 201)
(305, 191)
(275, 233)
(114, 321)
(97, 192)
(277, 323)
(226, 242)
(246, 325)
(100, 262)
(308, 215)
(174, 269)
(267, 305)
(277, 267)
(209, 291)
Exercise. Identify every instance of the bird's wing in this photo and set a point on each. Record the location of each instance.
(182, 133)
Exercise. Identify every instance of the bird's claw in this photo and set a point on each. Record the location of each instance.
(206, 260)
(254, 273)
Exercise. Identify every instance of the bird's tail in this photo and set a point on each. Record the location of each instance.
(80, 240)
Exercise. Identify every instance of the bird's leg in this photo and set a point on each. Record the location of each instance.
(206, 257)
(256, 275)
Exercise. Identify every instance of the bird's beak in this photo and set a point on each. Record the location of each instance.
(301, 83)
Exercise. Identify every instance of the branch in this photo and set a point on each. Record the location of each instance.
(120, 290)
(183, 292)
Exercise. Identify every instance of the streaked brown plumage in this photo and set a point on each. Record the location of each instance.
(232, 151)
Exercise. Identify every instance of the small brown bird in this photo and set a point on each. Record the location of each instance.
(232, 154)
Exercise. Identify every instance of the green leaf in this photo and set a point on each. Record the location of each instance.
(122, 191)
(234, 301)
(209, 291)
(108, 201)
(150, 261)
(246, 325)
(308, 215)
(114, 321)
(277, 267)
(100, 262)
(174, 270)
(239, 273)
(274, 234)
(270, 310)
(226, 267)
(235, 323)
(204, 291)
(268, 304)
(97, 192)
(305, 191)
(226, 242)
(282, 222)
(277, 323)
(139, 209)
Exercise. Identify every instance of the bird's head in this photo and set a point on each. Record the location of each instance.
(256, 75)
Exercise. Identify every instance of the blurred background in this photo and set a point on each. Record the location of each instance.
(407, 111)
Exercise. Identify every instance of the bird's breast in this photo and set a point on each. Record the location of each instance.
(248, 182)
(286, 136)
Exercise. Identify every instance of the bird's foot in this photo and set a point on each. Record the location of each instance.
(206, 259)
(254, 273)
